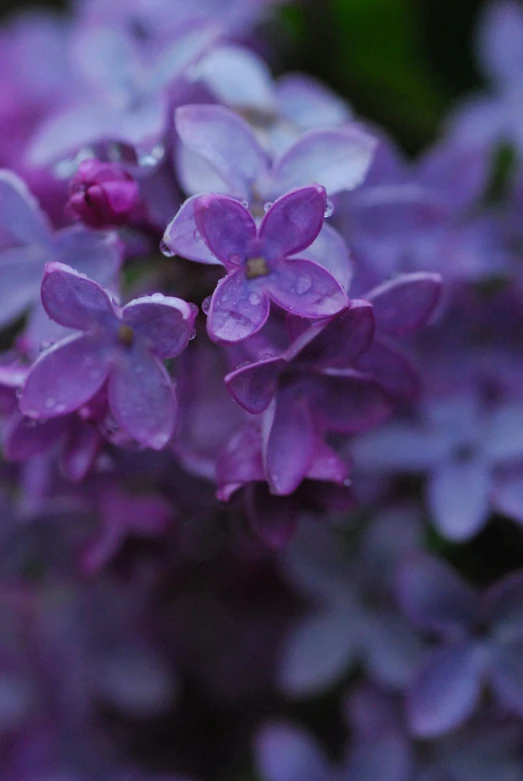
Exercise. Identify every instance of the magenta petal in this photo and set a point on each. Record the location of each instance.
(226, 142)
(182, 237)
(165, 323)
(306, 289)
(65, 377)
(141, 398)
(435, 598)
(405, 303)
(458, 494)
(226, 226)
(348, 401)
(446, 689)
(293, 222)
(255, 386)
(288, 442)
(72, 300)
(237, 311)
(337, 159)
(341, 341)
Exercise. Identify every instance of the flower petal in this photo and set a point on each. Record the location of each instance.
(65, 377)
(237, 311)
(226, 141)
(165, 323)
(391, 368)
(306, 289)
(20, 281)
(348, 401)
(337, 159)
(240, 462)
(73, 300)
(435, 598)
(309, 103)
(141, 398)
(446, 689)
(293, 221)
(504, 605)
(330, 251)
(399, 447)
(98, 254)
(284, 753)
(288, 442)
(504, 437)
(341, 341)
(237, 77)
(405, 304)
(458, 495)
(508, 496)
(507, 673)
(22, 222)
(182, 237)
(272, 519)
(226, 226)
(255, 386)
(500, 41)
(24, 439)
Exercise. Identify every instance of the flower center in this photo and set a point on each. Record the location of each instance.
(256, 267)
(126, 335)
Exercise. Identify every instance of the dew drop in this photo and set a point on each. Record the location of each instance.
(304, 284)
(329, 209)
(193, 334)
(166, 250)
(254, 299)
(245, 204)
(157, 298)
(266, 356)
(267, 206)
(197, 235)
(206, 303)
(242, 365)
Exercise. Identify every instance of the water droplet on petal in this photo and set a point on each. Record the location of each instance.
(197, 235)
(193, 334)
(206, 303)
(303, 284)
(266, 356)
(157, 298)
(245, 204)
(166, 250)
(242, 365)
(254, 299)
(50, 402)
(267, 206)
(329, 209)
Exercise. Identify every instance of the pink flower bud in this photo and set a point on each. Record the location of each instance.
(102, 195)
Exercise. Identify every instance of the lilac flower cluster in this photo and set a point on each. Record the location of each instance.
(261, 413)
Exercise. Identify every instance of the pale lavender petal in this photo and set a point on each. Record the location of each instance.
(506, 673)
(226, 226)
(309, 103)
(255, 386)
(500, 41)
(331, 252)
(165, 323)
(237, 77)
(392, 649)
(22, 222)
(186, 47)
(306, 289)
(288, 442)
(446, 689)
(141, 398)
(240, 462)
(348, 402)
(183, 238)
(458, 496)
(284, 753)
(406, 303)
(391, 368)
(73, 300)
(340, 342)
(65, 377)
(504, 436)
(293, 222)
(319, 651)
(237, 311)
(337, 159)
(399, 447)
(107, 59)
(435, 598)
(226, 141)
(19, 281)
(95, 253)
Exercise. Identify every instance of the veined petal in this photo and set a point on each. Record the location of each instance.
(237, 311)
(405, 303)
(255, 386)
(73, 300)
(458, 494)
(446, 689)
(65, 377)
(141, 398)
(309, 103)
(226, 226)
(165, 323)
(289, 440)
(293, 221)
(226, 141)
(337, 159)
(306, 289)
(182, 237)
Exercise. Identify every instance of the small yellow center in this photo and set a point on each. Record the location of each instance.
(126, 335)
(256, 267)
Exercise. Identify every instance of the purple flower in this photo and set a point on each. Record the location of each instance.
(102, 195)
(480, 641)
(285, 753)
(260, 262)
(123, 347)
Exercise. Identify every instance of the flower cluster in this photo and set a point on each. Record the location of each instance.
(261, 413)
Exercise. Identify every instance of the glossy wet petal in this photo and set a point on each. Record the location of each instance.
(255, 386)
(293, 221)
(288, 442)
(141, 398)
(74, 301)
(65, 377)
(183, 238)
(240, 462)
(237, 310)
(305, 289)
(226, 226)
(165, 323)
(406, 303)
(458, 494)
